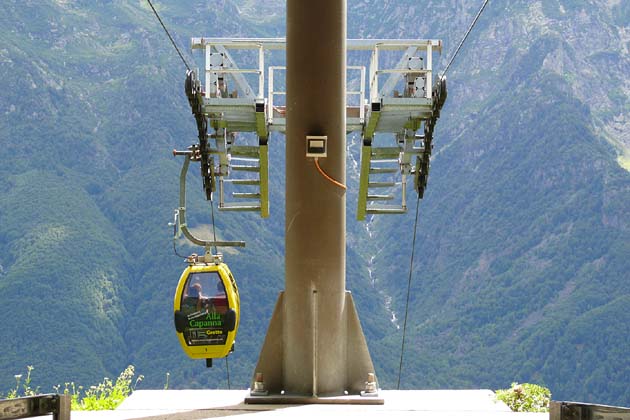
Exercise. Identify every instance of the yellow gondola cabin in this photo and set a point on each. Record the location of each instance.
(206, 310)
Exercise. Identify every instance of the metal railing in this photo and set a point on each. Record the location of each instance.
(359, 94)
(218, 61)
(564, 410)
(38, 405)
(273, 92)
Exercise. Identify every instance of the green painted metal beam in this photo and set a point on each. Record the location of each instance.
(261, 121)
(372, 121)
(366, 153)
(264, 179)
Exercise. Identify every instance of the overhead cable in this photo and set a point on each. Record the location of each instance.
(227, 369)
(472, 25)
(413, 249)
(169, 35)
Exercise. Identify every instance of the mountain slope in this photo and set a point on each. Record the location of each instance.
(524, 235)
(521, 270)
(65, 276)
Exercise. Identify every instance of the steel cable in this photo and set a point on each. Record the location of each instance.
(413, 249)
(169, 35)
(470, 28)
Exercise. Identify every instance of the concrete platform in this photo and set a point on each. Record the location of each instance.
(212, 404)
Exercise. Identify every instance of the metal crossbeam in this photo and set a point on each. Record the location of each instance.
(262, 109)
(387, 209)
(281, 43)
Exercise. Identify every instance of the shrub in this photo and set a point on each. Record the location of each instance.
(525, 397)
(105, 396)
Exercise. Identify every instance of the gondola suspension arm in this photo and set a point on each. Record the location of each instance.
(180, 212)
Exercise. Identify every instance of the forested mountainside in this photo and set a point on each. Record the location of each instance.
(521, 270)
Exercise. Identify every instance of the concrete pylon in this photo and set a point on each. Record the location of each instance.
(315, 345)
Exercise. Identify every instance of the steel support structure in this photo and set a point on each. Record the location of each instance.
(314, 346)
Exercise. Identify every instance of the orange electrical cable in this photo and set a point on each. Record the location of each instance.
(325, 175)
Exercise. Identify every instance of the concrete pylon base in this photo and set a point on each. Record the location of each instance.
(358, 365)
(301, 400)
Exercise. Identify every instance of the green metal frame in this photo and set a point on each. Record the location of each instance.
(264, 179)
(372, 122)
(366, 151)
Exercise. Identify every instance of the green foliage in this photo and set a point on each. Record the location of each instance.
(107, 395)
(525, 397)
(23, 389)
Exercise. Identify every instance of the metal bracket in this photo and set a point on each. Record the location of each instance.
(180, 213)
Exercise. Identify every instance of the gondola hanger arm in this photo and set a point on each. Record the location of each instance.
(180, 214)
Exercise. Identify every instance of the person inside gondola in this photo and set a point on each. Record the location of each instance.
(195, 290)
(219, 300)
(194, 299)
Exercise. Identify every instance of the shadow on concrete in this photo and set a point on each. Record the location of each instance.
(214, 412)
